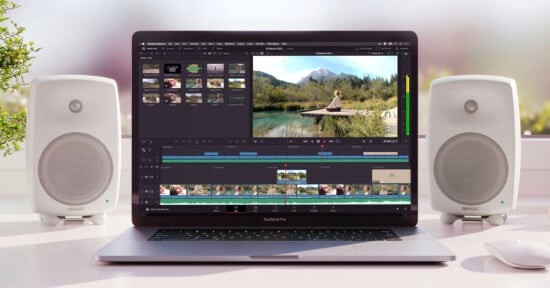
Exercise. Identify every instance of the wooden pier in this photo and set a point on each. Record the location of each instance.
(318, 114)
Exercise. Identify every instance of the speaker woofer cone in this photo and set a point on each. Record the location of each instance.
(75, 168)
(470, 168)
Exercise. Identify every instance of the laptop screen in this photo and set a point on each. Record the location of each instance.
(274, 124)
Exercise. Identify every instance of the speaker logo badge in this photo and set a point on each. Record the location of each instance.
(472, 208)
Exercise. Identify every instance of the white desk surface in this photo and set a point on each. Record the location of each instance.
(33, 255)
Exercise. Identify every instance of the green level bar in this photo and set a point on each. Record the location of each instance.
(407, 106)
(286, 161)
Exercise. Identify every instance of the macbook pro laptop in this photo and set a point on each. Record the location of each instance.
(274, 146)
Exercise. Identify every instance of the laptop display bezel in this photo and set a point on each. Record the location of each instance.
(402, 218)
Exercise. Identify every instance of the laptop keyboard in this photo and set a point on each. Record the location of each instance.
(274, 235)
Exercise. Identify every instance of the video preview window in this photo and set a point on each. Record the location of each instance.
(325, 96)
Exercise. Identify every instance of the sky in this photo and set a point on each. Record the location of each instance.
(294, 68)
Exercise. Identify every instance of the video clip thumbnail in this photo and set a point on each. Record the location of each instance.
(172, 68)
(193, 98)
(214, 68)
(151, 68)
(172, 98)
(150, 83)
(172, 83)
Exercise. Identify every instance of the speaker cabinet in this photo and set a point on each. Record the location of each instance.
(73, 147)
(474, 147)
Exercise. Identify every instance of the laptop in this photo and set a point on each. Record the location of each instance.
(274, 147)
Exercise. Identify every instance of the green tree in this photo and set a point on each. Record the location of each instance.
(377, 86)
(15, 61)
(12, 131)
(277, 95)
(540, 123)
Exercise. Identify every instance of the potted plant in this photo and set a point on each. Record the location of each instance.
(15, 61)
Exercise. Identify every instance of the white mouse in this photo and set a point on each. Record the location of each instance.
(520, 253)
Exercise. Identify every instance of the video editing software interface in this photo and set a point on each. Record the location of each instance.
(274, 127)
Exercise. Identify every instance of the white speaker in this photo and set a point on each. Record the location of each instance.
(474, 147)
(73, 147)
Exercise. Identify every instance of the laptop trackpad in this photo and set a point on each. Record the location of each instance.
(266, 249)
(275, 257)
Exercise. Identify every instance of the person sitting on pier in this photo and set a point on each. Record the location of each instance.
(335, 105)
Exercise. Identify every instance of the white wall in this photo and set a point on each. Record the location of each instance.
(534, 180)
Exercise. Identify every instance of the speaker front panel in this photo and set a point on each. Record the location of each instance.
(75, 169)
(470, 168)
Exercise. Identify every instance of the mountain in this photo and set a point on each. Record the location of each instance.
(274, 81)
(319, 75)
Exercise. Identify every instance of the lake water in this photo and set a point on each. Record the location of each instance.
(282, 124)
(291, 124)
